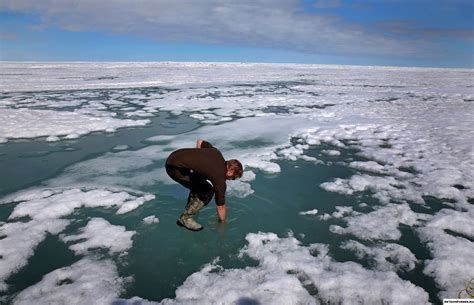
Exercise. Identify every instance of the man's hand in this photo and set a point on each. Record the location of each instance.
(199, 143)
(221, 212)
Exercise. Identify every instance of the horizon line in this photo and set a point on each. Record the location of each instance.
(233, 62)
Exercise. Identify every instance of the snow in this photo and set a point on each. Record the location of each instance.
(331, 152)
(451, 253)
(382, 223)
(45, 208)
(63, 202)
(310, 212)
(88, 281)
(150, 220)
(121, 147)
(18, 243)
(99, 233)
(388, 256)
(289, 273)
(28, 123)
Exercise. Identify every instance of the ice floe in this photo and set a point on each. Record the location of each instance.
(449, 235)
(388, 256)
(289, 273)
(99, 233)
(383, 223)
(150, 220)
(88, 281)
(28, 123)
(44, 210)
(310, 212)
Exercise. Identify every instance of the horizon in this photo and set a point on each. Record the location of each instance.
(234, 62)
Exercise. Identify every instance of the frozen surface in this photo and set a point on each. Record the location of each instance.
(385, 157)
(26, 123)
(151, 219)
(99, 233)
(45, 208)
(310, 212)
(288, 273)
(86, 282)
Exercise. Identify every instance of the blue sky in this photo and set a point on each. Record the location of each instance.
(438, 33)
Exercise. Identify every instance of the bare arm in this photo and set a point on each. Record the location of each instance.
(221, 212)
(199, 143)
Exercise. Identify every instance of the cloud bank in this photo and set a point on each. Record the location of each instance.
(250, 23)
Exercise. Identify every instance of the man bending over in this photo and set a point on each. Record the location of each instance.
(192, 167)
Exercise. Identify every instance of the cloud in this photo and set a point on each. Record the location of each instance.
(410, 28)
(327, 4)
(8, 35)
(250, 23)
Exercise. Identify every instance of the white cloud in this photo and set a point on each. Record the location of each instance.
(261, 23)
(327, 3)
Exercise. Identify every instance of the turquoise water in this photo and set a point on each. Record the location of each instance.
(163, 255)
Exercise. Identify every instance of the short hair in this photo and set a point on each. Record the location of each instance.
(236, 166)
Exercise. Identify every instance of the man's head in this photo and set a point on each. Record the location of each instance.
(234, 169)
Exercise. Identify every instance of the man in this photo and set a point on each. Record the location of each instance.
(192, 167)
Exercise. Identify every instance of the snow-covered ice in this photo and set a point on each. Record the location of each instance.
(403, 135)
(27, 123)
(310, 212)
(150, 220)
(99, 233)
(87, 281)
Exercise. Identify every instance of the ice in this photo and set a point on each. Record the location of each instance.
(99, 233)
(386, 256)
(248, 176)
(405, 135)
(310, 212)
(111, 169)
(342, 211)
(52, 139)
(369, 166)
(331, 152)
(288, 273)
(62, 76)
(238, 189)
(63, 203)
(18, 242)
(45, 208)
(380, 224)
(120, 147)
(384, 188)
(88, 281)
(28, 123)
(451, 253)
(150, 220)
(131, 205)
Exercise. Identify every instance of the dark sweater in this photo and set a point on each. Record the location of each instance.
(206, 161)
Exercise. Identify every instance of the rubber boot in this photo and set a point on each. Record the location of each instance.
(186, 219)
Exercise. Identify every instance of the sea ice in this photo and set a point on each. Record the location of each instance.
(380, 224)
(388, 256)
(45, 208)
(310, 212)
(99, 233)
(411, 127)
(88, 281)
(288, 273)
(150, 220)
(28, 123)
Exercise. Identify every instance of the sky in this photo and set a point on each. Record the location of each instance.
(427, 33)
